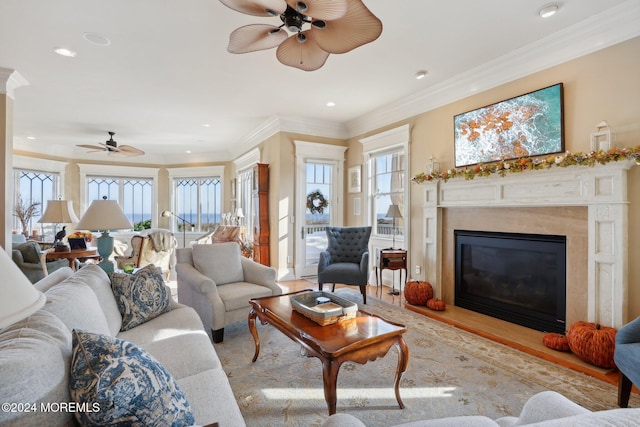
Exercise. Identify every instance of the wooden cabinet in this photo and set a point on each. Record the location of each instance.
(260, 199)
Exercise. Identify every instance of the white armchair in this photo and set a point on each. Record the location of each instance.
(218, 283)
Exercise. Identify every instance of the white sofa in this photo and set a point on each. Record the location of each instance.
(545, 409)
(35, 353)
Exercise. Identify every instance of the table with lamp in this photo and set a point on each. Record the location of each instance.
(104, 216)
(59, 212)
(391, 258)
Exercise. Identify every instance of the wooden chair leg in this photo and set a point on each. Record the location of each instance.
(363, 291)
(333, 289)
(320, 286)
(624, 390)
(217, 335)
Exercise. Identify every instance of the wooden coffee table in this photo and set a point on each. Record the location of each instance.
(361, 339)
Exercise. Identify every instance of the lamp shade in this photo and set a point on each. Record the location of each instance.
(104, 215)
(394, 212)
(239, 213)
(19, 298)
(59, 212)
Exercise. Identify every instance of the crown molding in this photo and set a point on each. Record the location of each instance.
(613, 26)
(11, 80)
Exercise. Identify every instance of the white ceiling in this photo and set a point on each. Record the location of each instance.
(166, 72)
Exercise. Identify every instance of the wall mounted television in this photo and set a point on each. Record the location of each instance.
(527, 125)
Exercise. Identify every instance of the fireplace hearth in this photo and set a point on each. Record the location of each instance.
(520, 278)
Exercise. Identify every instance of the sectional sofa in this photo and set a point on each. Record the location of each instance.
(41, 359)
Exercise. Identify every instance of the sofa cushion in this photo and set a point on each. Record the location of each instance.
(35, 355)
(126, 383)
(219, 262)
(141, 296)
(174, 323)
(98, 281)
(75, 303)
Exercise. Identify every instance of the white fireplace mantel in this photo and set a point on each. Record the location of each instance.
(602, 189)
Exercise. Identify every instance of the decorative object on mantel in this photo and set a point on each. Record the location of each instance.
(417, 292)
(556, 341)
(533, 163)
(433, 167)
(593, 343)
(602, 137)
(436, 304)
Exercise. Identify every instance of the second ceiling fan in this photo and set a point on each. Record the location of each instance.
(336, 26)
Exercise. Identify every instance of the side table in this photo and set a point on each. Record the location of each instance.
(392, 259)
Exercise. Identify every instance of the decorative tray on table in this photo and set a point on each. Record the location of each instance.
(324, 308)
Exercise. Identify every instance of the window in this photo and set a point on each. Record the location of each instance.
(199, 202)
(245, 192)
(133, 194)
(387, 186)
(34, 187)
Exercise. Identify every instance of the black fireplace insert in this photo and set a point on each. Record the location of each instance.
(520, 278)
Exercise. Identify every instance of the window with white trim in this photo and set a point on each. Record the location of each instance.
(34, 187)
(198, 201)
(134, 195)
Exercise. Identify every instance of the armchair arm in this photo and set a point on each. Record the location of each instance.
(364, 262)
(629, 333)
(324, 261)
(260, 275)
(188, 275)
(193, 286)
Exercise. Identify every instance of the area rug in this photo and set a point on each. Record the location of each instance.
(451, 372)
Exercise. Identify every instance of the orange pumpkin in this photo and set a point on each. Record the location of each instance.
(417, 292)
(593, 343)
(436, 304)
(556, 341)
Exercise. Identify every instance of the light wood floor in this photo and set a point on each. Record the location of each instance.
(515, 336)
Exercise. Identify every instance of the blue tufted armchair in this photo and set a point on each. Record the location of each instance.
(627, 358)
(346, 259)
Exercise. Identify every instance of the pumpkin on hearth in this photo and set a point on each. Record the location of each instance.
(417, 292)
(436, 304)
(556, 341)
(593, 343)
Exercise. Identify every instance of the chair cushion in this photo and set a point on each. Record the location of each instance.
(30, 252)
(219, 262)
(141, 296)
(237, 295)
(347, 244)
(343, 272)
(124, 383)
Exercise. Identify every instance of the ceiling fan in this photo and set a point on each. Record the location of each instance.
(111, 147)
(336, 26)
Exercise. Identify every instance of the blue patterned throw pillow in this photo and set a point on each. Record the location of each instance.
(140, 296)
(118, 383)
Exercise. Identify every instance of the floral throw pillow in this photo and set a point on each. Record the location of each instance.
(118, 383)
(140, 296)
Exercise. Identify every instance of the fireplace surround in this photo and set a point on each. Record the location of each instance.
(595, 196)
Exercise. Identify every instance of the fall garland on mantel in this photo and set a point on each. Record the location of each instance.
(566, 159)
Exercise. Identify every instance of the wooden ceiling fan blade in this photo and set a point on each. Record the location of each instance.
(251, 38)
(91, 147)
(127, 151)
(307, 56)
(357, 27)
(320, 9)
(257, 7)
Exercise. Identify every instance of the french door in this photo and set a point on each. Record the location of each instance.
(319, 188)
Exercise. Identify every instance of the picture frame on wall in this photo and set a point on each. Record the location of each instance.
(354, 177)
(527, 125)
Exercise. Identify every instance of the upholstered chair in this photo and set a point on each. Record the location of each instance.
(155, 247)
(346, 259)
(218, 282)
(32, 261)
(627, 358)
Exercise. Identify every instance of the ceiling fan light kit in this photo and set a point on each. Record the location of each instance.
(335, 26)
(113, 149)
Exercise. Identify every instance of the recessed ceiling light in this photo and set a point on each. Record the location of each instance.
(97, 39)
(421, 74)
(331, 104)
(188, 151)
(206, 125)
(548, 11)
(31, 138)
(65, 52)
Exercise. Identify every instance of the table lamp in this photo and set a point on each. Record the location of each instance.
(239, 215)
(20, 298)
(394, 212)
(103, 216)
(59, 212)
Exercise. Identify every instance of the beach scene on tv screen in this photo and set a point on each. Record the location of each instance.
(527, 125)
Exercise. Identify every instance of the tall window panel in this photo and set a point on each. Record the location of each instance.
(387, 176)
(34, 187)
(245, 178)
(133, 194)
(199, 202)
